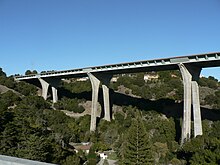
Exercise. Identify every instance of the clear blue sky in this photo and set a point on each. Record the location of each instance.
(67, 34)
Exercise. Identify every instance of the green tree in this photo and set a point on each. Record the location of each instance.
(70, 160)
(160, 151)
(70, 105)
(211, 82)
(9, 98)
(34, 102)
(8, 139)
(164, 76)
(2, 73)
(202, 150)
(28, 72)
(92, 157)
(25, 88)
(137, 145)
(34, 148)
(78, 87)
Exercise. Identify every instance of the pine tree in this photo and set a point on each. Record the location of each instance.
(70, 160)
(137, 146)
(34, 148)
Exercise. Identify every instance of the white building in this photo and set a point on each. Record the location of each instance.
(151, 76)
(103, 155)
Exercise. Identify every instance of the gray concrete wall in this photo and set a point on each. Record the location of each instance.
(8, 160)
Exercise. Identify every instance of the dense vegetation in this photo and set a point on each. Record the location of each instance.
(139, 134)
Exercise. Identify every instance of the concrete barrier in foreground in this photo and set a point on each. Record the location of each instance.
(8, 160)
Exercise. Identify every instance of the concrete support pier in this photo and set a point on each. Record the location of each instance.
(95, 92)
(196, 109)
(190, 75)
(105, 88)
(45, 86)
(95, 81)
(45, 83)
(54, 84)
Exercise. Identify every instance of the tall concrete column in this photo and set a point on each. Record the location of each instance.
(105, 83)
(54, 84)
(196, 109)
(45, 86)
(105, 90)
(45, 83)
(95, 91)
(186, 125)
(95, 79)
(54, 94)
(190, 75)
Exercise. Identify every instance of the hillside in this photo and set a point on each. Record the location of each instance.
(147, 117)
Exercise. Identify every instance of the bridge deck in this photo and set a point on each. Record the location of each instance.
(199, 60)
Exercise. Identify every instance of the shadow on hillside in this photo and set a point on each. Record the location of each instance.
(167, 107)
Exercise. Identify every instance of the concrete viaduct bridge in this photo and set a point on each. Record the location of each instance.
(189, 66)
